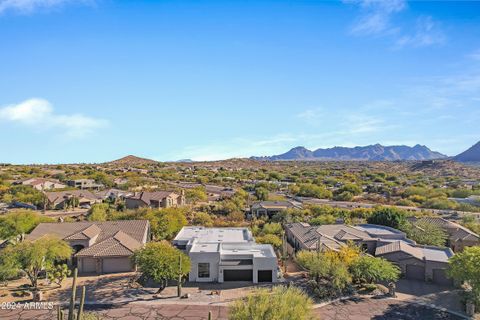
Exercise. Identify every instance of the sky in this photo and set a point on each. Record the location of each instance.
(95, 80)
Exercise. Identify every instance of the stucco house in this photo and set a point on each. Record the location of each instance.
(99, 247)
(271, 208)
(84, 184)
(59, 199)
(42, 184)
(459, 237)
(157, 199)
(426, 263)
(226, 254)
(113, 194)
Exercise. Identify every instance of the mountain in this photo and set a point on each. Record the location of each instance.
(132, 161)
(470, 155)
(375, 152)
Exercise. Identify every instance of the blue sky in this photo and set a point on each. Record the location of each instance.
(91, 81)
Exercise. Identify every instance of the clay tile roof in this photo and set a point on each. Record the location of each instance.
(400, 246)
(60, 195)
(86, 234)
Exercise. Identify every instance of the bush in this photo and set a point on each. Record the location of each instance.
(388, 216)
(278, 304)
(367, 269)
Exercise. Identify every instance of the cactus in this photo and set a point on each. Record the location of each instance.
(71, 309)
(179, 283)
(209, 315)
(82, 303)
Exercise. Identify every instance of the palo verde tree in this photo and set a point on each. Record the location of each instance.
(34, 257)
(159, 261)
(464, 267)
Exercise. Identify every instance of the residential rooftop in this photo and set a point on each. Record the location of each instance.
(214, 235)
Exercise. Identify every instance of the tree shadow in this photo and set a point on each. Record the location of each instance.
(408, 311)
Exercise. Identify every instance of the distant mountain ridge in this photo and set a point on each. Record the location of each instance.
(132, 161)
(470, 155)
(375, 152)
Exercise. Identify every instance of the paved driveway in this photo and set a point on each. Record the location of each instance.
(380, 309)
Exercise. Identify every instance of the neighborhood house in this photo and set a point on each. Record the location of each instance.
(99, 247)
(158, 199)
(415, 261)
(226, 254)
(271, 208)
(61, 199)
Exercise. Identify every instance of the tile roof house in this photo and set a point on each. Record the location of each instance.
(415, 261)
(226, 254)
(459, 237)
(157, 199)
(100, 247)
(42, 184)
(271, 208)
(113, 194)
(58, 199)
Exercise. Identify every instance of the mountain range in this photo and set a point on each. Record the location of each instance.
(375, 152)
(470, 155)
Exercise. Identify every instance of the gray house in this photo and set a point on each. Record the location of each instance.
(271, 208)
(100, 247)
(426, 263)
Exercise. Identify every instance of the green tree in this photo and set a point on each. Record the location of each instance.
(99, 212)
(202, 219)
(272, 228)
(20, 222)
(166, 223)
(159, 261)
(34, 257)
(425, 233)
(278, 304)
(321, 220)
(272, 239)
(195, 195)
(388, 216)
(261, 193)
(368, 269)
(464, 267)
(58, 273)
(314, 191)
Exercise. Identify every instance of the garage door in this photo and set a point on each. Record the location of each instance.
(415, 272)
(237, 275)
(264, 275)
(111, 265)
(440, 277)
(88, 265)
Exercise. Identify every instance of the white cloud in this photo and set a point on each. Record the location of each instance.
(28, 6)
(427, 33)
(376, 18)
(39, 113)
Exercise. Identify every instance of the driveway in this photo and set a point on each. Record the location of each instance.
(381, 309)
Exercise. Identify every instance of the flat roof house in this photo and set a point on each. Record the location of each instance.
(157, 199)
(415, 261)
(100, 247)
(85, 184)
(226, 254)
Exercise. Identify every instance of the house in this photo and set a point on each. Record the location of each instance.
(459, 237)
(226, 254)
(99, 247)
(271, 208)
(113, 194)
(42, 184)
(157, 199)
(84, 184)
(426, 263)
(59, 199)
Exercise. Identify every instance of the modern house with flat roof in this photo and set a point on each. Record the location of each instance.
(226, 254)
(415, 261)
(271, 208)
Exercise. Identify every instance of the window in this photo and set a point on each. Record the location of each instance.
(204, 270)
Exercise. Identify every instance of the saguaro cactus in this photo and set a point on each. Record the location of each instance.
(179, 283)
(82, 303)
(209, 315)
(71, 309)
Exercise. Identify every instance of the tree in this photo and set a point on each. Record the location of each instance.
(20, 222)
(279, 304)
(464, 267)
(159, 261)
(273, 228)
(314, 191)
(425, 233)
(165, 223)
(261, 193)
(321, 220)
(202, 219)
(272, 239)
(367, 269)
(99, 212)
(34, 257)
(388, 216)
(197, 194)
(58, 273)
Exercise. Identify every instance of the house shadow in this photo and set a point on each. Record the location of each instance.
(408, 311)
